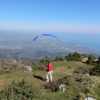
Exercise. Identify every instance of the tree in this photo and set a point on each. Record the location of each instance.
(59, 58)
(74, 57)
(96, 69)
(91, 58)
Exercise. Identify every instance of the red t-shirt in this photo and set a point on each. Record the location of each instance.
(49, 67)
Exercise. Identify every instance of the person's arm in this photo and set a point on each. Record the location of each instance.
(47, 68)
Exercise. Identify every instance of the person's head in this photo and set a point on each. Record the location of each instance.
(48, 61)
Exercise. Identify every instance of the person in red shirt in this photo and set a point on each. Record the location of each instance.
(49, 71)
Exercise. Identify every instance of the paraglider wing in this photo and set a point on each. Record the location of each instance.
(36, 38)
(46, 35)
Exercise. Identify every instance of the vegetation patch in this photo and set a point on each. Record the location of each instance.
(83, 70)
(19, 91)
(80, 80)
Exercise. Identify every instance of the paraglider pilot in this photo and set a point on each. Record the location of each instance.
(46, 56)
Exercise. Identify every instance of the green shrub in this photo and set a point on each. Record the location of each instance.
(19, 91)
(59, 58)
(64, 80)
(90, 60)
(78, 78)
(3, 71)
(72, 93)
(97, 90)
(95, 71)
(74, 57)
(83, 70)
(38, 67)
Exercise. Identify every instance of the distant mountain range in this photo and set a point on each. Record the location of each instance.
(22, 46)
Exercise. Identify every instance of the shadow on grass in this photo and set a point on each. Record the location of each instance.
(39, 77)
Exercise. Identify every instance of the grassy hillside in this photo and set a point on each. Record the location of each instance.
(77, 85)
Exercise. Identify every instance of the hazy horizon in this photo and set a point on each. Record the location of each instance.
(81, 39)
(76, 21)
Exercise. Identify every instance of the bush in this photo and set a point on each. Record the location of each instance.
(51, 86)
(73, 93)
(59, 58)
(83, 70)
(38, 67)
(90, 60)
(3, 71)
(64, 80)
(78, 78)
(97, 90)
(19, 91)
(74, 57)
(95, 71)
(84, 79)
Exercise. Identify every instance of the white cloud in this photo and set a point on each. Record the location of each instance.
(51, 27)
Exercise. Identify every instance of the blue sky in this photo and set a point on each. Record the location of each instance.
(71, 20)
